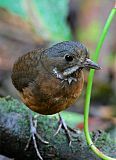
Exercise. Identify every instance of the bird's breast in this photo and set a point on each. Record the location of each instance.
(49, 95)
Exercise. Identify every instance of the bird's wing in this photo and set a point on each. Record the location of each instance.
(26, 69)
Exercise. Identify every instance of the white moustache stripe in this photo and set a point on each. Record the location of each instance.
(70, 70)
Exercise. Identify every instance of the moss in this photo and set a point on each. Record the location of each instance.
(14, 123)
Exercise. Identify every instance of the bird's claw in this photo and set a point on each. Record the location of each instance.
(34, 134)
(67, 129)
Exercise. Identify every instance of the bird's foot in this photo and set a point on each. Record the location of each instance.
(67, 129)
(34, 135)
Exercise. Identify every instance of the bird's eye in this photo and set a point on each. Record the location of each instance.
(68, 58)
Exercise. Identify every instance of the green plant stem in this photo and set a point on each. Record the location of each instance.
(89, 88)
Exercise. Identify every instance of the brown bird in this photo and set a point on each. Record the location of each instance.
(50, 80)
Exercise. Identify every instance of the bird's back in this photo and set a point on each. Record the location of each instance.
(26, 69)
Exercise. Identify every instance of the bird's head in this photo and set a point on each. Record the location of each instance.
(68, 57)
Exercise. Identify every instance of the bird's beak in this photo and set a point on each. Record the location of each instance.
(90, 64)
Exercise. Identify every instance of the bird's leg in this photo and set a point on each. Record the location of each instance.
(34, 134)
(67, 129)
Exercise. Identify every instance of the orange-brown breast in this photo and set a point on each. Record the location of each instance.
(48, 95)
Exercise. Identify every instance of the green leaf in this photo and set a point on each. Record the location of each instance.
(53, 16)
(48, 17)
(14, 6)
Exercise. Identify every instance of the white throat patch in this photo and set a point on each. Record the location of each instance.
(67, 72)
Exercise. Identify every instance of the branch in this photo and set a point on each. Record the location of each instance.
(14, 134)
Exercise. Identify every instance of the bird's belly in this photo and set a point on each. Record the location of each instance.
(51, 96)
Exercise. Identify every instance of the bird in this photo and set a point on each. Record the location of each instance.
(50, 80)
